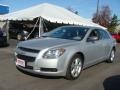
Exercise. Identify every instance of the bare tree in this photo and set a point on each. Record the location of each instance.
(103, 17)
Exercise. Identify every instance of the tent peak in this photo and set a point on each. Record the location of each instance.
(49, 12)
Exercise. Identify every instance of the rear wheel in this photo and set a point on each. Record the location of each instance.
(112, 56)
(74, 68)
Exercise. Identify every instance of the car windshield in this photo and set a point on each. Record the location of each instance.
(71, 33)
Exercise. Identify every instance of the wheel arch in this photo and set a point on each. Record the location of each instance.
(114, 48)
(77, 53)
(81, 55)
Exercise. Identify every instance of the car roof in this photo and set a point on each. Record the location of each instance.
(91, 27)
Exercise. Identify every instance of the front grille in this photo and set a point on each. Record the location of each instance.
(26, 58)
(29, 50)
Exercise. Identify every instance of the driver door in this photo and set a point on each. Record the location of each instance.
(94, 48)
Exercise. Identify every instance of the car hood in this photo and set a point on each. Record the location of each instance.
(43, 43)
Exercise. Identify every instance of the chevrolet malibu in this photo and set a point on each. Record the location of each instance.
(65, 51)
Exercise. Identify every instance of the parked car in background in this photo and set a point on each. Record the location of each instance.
(3, 38)
(14, 30)
(20, 31)
(116, 36)
(13, 33)
(65, 51)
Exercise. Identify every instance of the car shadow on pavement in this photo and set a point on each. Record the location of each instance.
(40, 76)
(112, 83)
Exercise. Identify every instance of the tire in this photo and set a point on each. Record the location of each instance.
(111, 57)
(74, 68)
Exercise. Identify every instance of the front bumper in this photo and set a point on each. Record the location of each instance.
(51, 67)
(38, 72)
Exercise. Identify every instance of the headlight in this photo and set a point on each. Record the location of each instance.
(55, 53)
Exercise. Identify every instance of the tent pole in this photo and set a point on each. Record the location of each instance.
(33, 28)
(7, 29)
(40, 26)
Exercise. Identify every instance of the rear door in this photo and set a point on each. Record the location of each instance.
(106, 40)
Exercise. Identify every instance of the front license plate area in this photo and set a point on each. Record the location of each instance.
(20, 62)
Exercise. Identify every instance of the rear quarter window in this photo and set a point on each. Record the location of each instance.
(104, 34)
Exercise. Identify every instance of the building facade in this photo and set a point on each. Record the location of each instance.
(4, 9)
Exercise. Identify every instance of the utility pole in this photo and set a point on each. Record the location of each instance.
(97, 11)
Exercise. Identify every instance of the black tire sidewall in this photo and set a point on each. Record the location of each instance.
(68, 73)
(109, 60)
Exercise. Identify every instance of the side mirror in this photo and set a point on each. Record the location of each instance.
(92, 39)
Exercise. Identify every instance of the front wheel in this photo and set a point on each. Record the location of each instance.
(74, 68)
(112, 56)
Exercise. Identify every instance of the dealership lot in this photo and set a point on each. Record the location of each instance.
(102, 76)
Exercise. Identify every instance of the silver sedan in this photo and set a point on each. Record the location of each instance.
(65, 51)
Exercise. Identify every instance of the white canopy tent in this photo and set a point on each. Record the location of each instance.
(50, 13)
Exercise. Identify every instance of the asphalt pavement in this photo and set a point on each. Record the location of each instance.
(103, 76)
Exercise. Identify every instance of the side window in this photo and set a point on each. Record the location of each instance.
(95, 33)
(103, 34)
